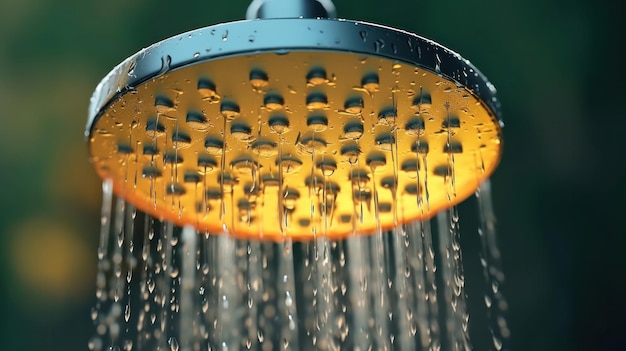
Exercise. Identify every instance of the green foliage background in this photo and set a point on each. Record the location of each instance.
(559, 191)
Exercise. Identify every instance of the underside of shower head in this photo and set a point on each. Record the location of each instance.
(294, 127)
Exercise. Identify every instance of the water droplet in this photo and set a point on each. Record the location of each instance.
(173, 343)
(166, 61)
(363, 35)
(292, 323)
(174, 272)
(497, 343)
(379, 44)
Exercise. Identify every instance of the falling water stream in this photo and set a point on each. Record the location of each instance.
(162, 287)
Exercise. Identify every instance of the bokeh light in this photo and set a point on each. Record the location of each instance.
(51, 260)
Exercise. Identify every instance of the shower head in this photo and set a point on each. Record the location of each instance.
(293, 125)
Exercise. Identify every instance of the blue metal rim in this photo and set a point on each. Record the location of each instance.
(284, 35)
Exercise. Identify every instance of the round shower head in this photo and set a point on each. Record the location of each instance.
(294, 127)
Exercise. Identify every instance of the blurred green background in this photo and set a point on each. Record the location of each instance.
(559, 191)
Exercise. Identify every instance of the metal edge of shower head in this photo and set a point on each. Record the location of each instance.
(304, 34)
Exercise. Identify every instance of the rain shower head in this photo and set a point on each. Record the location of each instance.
(293, 125)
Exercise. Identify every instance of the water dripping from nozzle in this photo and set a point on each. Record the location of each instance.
(490, 260)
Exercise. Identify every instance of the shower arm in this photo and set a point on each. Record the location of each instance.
(264, 9)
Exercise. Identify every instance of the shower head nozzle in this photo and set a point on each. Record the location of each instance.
(294, 127)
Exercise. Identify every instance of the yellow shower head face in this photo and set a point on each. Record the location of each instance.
(295, 143)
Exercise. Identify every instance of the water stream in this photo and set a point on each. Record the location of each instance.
(161, 287)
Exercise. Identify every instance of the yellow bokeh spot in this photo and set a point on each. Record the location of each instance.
(50, 259)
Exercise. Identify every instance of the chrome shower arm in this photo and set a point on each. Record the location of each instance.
(291, 9)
